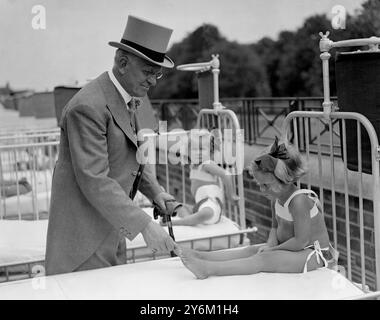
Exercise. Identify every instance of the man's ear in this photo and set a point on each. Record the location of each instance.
(123, 63)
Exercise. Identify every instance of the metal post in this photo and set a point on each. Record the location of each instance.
(324, 46)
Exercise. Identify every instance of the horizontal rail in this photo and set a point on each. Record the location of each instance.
(28, 145)
(356, 42)
(245, 231)
(31, 136)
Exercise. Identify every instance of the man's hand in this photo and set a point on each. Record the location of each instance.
(157, 238)
(161, 198)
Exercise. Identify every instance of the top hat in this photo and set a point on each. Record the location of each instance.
(147, 40)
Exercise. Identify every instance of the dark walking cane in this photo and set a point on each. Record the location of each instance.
(172, 207)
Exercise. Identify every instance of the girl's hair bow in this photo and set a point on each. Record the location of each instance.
(268, 162)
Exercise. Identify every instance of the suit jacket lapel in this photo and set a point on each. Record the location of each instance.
(117, 107)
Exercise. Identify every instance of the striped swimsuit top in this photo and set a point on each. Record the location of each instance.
(283, 211)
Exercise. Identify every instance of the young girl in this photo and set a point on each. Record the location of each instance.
(298, 240)
(206, 179)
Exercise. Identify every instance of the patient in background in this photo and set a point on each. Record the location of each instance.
(207, 182)
(298, 240)
(10, 188)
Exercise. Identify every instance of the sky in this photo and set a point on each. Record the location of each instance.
(73, 46)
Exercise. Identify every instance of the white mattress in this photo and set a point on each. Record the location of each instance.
(22, 241)
(168, 279)
(26, 240)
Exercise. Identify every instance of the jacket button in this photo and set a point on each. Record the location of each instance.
(124, 232)
(134, 173)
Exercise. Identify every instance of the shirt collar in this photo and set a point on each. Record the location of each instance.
(125, 95)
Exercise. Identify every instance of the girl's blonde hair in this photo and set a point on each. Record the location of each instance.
(284, 161)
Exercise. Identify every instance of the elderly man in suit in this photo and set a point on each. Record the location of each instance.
(97, 173)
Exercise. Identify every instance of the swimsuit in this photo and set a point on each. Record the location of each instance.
(208, 195)
(328, 255)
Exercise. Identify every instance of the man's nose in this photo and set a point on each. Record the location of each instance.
(152, 80)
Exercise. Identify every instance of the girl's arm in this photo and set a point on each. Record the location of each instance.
(215, 170)
(299, 207)
(272, 239)
(193, 219)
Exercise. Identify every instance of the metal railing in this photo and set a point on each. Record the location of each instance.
(261, 118)
(26, 172)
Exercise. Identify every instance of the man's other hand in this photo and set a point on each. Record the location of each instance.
(157, 238)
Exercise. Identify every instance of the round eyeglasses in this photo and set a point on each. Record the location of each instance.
(158, 75)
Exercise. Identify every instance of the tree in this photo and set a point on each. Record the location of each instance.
(288, 66)
(242, 73)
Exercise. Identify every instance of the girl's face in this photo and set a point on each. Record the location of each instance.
(201, 152)
(269, 185)
(199, 156)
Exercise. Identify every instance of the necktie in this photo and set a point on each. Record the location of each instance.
(133, 104)
(132, 113)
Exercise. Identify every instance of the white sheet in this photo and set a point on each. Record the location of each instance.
(168, 279)
(26, 240)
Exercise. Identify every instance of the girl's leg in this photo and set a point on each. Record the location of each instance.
(271, 261)
(196, 218)
(184, 211)
(218, 255)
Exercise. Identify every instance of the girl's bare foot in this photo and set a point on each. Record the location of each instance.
(196, 266)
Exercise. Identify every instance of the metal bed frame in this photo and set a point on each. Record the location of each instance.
(24, 159)
(329, 116)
